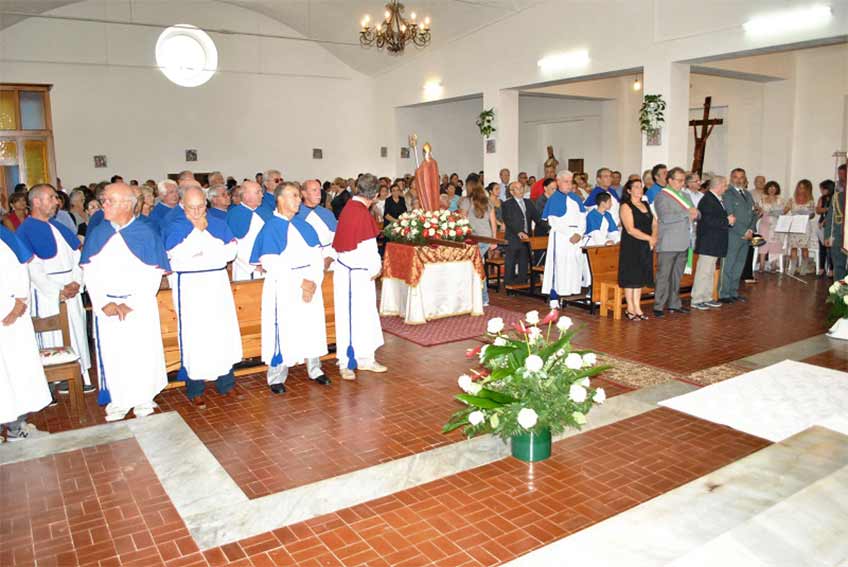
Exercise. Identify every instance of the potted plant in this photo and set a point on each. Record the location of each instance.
(485, 122)
(652, 117)
(838, 315)
(533, 385)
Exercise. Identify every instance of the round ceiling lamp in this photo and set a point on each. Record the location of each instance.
(186, 55)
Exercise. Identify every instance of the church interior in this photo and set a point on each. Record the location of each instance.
(715, 436)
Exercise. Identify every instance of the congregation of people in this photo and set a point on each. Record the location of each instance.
(107, 247)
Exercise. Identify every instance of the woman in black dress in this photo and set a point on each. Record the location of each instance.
(636, 254)
(395, 206)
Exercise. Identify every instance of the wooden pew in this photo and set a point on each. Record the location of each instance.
(248, 299)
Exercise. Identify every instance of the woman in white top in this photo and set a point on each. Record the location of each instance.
(802, 203)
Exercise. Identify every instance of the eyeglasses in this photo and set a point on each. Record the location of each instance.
(277, 179)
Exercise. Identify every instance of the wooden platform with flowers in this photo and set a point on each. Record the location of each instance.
(425, 281)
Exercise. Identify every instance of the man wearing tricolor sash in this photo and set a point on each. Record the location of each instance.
(675, 215)
(293, 324)
(564, 262)
(358, 264)
(199, 248)
(123, 262)
(245, 221)
(23, 388)
(55, 274)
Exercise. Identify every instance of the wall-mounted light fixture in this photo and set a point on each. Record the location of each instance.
(788, 20)
(564, 61)
(433, 89)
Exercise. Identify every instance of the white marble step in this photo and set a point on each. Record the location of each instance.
(809, 528)
(668, 527)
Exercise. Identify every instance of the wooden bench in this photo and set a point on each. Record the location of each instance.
(248, 300)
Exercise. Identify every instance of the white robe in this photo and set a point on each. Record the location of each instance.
(564, 262)
(300, 327)
(209, 330)
(23, 387)
(47, 278)
(242, 268)
(130, 355)
(615, 207)
(353, 288)
(325, 236)
(601, 236)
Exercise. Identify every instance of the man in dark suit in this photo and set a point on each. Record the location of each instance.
(739, 203)
(519, 214)
(711, 242)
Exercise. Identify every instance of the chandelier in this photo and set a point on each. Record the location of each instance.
(394, 31)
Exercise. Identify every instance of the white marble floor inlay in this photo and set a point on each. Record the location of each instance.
(217, 512)
(773, 403)
(658, 532)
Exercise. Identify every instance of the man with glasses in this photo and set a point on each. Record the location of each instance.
(199, 248)
(245, 221)
(271, 180)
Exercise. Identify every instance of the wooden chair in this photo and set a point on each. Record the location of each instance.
(61, 371)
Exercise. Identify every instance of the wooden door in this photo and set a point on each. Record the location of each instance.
(575, 165)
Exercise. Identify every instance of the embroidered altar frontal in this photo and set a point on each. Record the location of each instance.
(406, 262)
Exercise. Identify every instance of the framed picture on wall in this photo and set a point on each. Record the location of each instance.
(317, 153)
(384, 151)
(404, 153)
(100, 161)
(191, 155)
(490, 146)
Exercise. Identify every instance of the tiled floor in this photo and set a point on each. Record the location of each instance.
(109, 509)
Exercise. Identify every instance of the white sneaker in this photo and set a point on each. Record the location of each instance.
(347, 374)
(373, 367)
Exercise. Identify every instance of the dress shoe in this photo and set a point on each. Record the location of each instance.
(680, 309)
(322, 380)
(700, 306)
(373, 367)
(199, 402)
(658, 313)
(740, 298)
(713, 304)
(278, 388)
(727, 300)
(347, 374)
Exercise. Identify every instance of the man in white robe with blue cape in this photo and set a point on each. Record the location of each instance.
(55, 275)
(123, 262)
(322, 219)
(293, 324)
(245, 221)
(564, 262)
(169, 196)
(23, 387)
(199, 248)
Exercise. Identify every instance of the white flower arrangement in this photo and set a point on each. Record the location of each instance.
(419, 226)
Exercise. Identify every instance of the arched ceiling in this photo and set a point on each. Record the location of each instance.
(338, 21)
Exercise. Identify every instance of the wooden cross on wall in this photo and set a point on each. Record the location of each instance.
(707, 124)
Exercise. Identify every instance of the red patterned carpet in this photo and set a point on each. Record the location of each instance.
(449, 329)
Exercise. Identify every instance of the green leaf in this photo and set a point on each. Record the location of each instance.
(499, 397)
(479, 402)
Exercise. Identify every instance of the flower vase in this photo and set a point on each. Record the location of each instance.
(533, 446)
(839, 330)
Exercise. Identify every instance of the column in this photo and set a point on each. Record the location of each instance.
(671, 80)
(505, 103)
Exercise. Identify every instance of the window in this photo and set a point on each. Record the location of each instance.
(26, 136)
(186, 55)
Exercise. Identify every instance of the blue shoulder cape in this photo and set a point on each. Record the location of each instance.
(213, 212)
(179, 227)
(95, 219)
(325, 215)
(594, 220)
(268, 201)
(239, 218)
(38, 237)
(141, 238)
(273, 238)
(591, 199)
(18, 246)
(557, 204)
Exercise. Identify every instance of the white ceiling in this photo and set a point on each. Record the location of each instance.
(338, 21)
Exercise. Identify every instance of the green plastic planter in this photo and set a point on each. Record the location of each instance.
(532, 447)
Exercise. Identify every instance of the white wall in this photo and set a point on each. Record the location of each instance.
(271, 102)
(451, 129)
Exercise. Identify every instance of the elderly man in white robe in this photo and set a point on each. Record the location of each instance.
(169, 196)
(564, 262)
(293, 325)
(245, 221)
(199, 248)
(358, 264)
(55, 276)
(322, 219)
(123, 262)
(23, 387)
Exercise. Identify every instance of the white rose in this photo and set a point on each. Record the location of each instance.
(527, 418)
(532, 317)
(483, 351)
(451, 224)
(579, 418)
(474, 388)
(600, 396)
(834, 288)
(476, 417)
(534, 363)
(534, 334)
(452, 233)
(577, 393)
(584, 382)
(500, 341)
(465, 382)
(564, 323)
(574, 361)
(495, 326)
(590, 359)
(845, 299)
(404, 222)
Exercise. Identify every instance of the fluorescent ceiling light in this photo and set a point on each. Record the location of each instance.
(564, 61)
(789, 20)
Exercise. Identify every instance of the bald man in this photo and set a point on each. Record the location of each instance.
(55, 274)
(123, 262)
(245, 221)
(199, 247)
